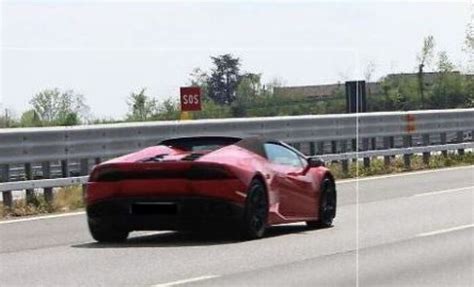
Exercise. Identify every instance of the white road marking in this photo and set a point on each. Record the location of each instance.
(403, 174)
(444, 191)
(445, 230)
(43, 217)
(184, 281)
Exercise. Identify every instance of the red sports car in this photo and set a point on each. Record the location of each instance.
(194, 183)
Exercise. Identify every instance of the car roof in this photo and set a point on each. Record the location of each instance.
(254, 144)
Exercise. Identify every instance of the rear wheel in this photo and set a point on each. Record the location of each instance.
(106, 233)
(256, 211)
(327, 205)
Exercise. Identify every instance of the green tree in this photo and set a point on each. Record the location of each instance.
(141, 107)
(424, 59)
(211, 110)
(60, 108)
(224, 79)
(248, 89)
(450, 88)
(400, 93)
(30, 118)
(167, 110)
(7, 118)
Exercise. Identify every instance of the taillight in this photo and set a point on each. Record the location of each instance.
(208, 173)
(104, 174)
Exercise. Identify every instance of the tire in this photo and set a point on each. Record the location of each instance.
(105, 233)
(256, 212)
(327, 205)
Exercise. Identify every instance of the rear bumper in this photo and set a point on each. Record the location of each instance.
(183, 213)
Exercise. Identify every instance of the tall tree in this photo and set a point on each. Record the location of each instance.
(424, 58)
(224, 79)
(60, 108)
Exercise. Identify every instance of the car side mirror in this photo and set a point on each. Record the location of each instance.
(315, 162)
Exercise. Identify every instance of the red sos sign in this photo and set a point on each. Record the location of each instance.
(190, 99)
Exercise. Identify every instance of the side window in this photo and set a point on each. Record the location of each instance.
(281, 155)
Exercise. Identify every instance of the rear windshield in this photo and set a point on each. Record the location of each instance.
(200, 143)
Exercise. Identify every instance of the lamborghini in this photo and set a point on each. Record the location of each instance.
(209, 183)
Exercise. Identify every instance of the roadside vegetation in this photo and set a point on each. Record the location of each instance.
(65, 200)
(71, 198)
(377, 166)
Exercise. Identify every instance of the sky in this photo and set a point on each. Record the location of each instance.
(107, 49)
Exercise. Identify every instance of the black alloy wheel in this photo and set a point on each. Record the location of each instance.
(256, 211)
(327, 205)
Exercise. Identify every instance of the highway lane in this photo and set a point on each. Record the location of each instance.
(387, 234)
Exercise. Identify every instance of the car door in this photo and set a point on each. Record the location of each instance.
(294, 186)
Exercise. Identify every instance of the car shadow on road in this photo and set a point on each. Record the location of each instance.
(180, 239)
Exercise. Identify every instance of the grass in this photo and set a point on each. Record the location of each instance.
(65, 199)
(71, 198)
(377, 166)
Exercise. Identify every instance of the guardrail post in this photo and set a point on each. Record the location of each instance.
(84, 170)
(320, 147)
(6, 195)
(407, 142)
(460, 139)
(443, 142)
(30, 193)
(354, 148)
(47, 191)
(426, 155)
(365, 146)
(344, 162)
(312, 148)
(333, 146)
(386, 145)
(64, 168)
(373, 142)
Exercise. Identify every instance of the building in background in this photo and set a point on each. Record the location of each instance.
(333, 91)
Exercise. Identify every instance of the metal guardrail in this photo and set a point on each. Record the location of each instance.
(397, 151)
(43, 183)
(98, 141)
(61, 182)
(30, 153)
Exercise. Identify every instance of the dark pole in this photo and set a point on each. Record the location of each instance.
(420, 83)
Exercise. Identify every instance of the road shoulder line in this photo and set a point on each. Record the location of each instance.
(447, 230)
(185, 281)
(403, 174)
(9, 221)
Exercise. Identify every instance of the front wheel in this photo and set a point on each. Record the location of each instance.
(106, 233)
(327, 205)
(256, 212)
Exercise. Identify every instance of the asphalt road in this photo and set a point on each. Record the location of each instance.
(405, 230)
